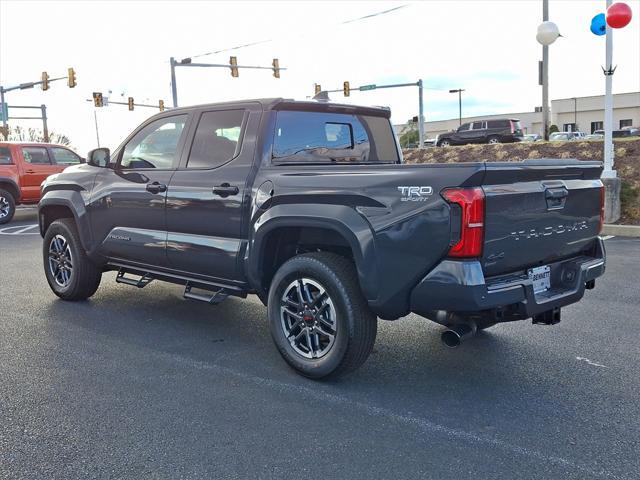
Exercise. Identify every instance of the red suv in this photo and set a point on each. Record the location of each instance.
(23, 167)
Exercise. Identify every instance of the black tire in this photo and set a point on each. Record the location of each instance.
(355, 325)
(493, 140)
(83, 276)
(444, 143)
(7, 206)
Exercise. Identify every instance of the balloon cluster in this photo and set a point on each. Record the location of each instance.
(618, 16)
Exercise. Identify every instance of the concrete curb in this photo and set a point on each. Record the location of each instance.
(622, 230)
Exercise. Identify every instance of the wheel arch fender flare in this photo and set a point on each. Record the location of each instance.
(11, 183)
(72, 201)
(342, 219)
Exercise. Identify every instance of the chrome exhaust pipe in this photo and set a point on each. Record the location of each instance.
(458, 333)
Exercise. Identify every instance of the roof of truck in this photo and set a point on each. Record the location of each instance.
(303, 105)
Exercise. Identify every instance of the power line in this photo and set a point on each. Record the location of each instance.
(259, 42)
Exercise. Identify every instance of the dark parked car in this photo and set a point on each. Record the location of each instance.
(483, 131)
(308, 206)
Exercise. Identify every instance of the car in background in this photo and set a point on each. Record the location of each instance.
(531, 137)
(594, 136)
(635, 131)
(430, 142)
(563, 137)
(623, 132)
(505, 130)
(23, 167)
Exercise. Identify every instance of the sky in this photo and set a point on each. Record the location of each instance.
(123, 47)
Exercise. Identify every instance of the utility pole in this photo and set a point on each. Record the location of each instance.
(608, 172)
(174, 88)
(545, 76)
(420, 115)
(95, 119)
(45, 128)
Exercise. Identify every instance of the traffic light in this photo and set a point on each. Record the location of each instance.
(318, 88)
(415, 119)
(161, 105)
(45, 81)
(71, 78)
(346, 89)
(97, 99)
(130, 101)
(276, 68)
(233, 62)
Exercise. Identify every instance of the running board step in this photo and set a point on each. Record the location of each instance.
(141, 282)
(212, 298)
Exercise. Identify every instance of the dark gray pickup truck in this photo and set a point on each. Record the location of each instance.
(308, 206)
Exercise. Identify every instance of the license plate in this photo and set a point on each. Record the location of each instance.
(541, 278)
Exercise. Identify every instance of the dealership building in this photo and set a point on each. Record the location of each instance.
(583, 114)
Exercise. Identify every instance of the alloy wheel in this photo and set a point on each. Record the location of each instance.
(60, 261)
(4, 207)
(308, 318)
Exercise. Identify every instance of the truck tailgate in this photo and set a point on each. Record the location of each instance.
(539, 211)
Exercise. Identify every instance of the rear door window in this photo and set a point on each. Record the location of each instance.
(479, 125)
(36, 155)
(5, 156)
(319, 137)
(217, 138)
(62, 156)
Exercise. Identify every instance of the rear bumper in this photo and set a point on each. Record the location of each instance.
(460, 286)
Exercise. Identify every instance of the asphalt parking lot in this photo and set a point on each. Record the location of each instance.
(143, 384)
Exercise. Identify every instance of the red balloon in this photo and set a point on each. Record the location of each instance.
(618, 15)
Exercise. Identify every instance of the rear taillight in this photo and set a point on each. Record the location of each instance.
(602, 192)
(471, 203)
(513, 126)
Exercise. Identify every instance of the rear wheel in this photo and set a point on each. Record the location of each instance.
(318, 317)
(7, 206)
(70, 273)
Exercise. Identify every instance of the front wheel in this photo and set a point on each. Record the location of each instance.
(493, 140)
(318, 317)
(70, 273)
(7, 206)
(444, 143)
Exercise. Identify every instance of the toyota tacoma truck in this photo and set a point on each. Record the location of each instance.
(23, 167)
(308, 205)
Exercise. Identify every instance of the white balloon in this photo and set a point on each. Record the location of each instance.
(548, 32)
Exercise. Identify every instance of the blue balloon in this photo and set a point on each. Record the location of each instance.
(599, 24)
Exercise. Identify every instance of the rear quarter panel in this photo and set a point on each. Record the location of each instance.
(399, 238)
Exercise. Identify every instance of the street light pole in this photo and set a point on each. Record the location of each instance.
(459, 92)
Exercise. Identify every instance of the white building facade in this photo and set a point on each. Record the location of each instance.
(583, 114)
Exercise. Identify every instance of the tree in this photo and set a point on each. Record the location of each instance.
(20, 134)
(553, 129)
(410, 134)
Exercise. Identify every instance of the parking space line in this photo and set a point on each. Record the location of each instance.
(19, 230)
(607, 237)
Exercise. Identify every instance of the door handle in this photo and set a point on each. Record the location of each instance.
(156, 187)
(30, 171)
(224, 190)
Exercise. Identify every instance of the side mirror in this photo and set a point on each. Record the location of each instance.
(99, 157)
